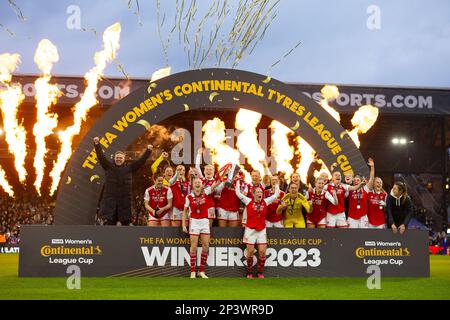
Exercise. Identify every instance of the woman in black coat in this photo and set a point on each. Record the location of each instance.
(399, 208)
(116, 201)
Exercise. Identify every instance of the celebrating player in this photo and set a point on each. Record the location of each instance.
(292, 206)
(197, 207)
(325, 177)
(229, 203)
(207, 180)
(349, 178)
(255, 184)
(317, 198)
(295, 178)
(336, 212)
(357, 206)
(357, 203)
(250, 190)
(168, 170)
(180, 189)
(158, 201)
(274, 219)
(376, 201)
(255, 229)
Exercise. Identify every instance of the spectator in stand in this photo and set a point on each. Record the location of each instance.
(444, 243)
(22, 210)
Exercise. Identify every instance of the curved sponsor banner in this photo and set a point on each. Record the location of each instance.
(47, 251)
(389, 99)
(220, 89)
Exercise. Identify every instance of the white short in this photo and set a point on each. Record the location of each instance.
(212, 213)
(278, 224)
(251, 236)
(336, 220)
(377, 227)
(177, 214)
(198, 226)
(167, 216)
(223, 214)
(361, 223)
(322, 222)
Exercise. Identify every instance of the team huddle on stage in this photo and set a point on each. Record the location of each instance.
(194, 201)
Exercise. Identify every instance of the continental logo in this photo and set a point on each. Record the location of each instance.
(47, 251)
(373, 252)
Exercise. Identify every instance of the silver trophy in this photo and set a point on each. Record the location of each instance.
(234, 170)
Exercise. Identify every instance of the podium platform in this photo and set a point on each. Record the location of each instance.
(110, 251)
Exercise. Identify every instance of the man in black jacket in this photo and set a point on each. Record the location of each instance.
(116, 201)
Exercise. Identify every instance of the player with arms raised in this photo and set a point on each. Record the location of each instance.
(229, 203)
(180, 188)
(197, 207)
(255, 229)
(318, 197)
(336, 212)
(357, 203)
(376, 197)
(208, 180)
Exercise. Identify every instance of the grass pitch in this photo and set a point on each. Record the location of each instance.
(435, 287)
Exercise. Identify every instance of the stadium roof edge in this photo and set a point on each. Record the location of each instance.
(287, 82)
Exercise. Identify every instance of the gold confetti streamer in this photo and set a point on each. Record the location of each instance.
(145, 124)
(296, 126)
(212, 96)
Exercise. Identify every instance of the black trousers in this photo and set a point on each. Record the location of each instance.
(116, 209)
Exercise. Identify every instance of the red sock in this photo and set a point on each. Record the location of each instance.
(203, 259)
(193, 261)
(261, 263)
(249, 264)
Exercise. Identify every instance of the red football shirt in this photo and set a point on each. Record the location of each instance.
(272, 215)
(375, 210)
(357, 204)
(340, 193)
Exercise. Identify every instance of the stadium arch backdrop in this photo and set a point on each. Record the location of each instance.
(125, 121)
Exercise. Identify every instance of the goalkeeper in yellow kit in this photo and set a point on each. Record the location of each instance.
(291, 206)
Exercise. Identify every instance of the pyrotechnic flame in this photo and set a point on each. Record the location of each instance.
(46, 56)
(15, 134)
(281, 151)
(247, 141)
(330, 93)
(363, 119)
(8, 63)
(214, 139)
(46, 95)
(4, 183)
(10, 98)
(111, 38)
(307, 156)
